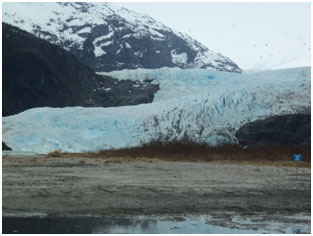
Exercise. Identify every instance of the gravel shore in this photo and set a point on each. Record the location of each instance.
(72, 186)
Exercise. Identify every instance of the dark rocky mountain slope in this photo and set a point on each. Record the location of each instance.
(291, 129)
(37, 73)
(5, 147)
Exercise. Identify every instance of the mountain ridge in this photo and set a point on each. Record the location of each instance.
(107, 37)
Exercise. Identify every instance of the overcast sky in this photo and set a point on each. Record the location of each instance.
(254, 35)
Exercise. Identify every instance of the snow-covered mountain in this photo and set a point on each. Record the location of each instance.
(208, 106)
(107, 37)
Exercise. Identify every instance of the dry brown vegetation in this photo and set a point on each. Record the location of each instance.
(55, 153)
(188, 151)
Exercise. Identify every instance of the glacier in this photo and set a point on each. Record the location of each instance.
(203, 105)
(177, 82)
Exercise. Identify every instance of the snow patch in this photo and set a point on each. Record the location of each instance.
(98, 51)
(138, 54)
(179, 58)
(104, 37)
(108, 43)
(84, 30)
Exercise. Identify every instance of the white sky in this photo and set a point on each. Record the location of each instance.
(253, 35)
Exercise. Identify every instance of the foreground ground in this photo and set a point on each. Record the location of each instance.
(81, 186)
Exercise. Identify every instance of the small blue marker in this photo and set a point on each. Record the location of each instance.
(297, 157)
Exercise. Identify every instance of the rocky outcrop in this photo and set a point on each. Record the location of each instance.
(115, 92)
(5, 147)
(37, 73)
(291, 129)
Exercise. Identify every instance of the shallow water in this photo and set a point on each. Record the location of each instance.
(88, 225)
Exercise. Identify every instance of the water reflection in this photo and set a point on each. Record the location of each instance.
(89, 225)
(125, 226)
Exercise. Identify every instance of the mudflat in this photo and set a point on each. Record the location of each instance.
(76, 186)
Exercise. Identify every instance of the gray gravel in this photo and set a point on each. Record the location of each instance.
(64, 187)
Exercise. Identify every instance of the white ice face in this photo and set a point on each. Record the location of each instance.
(207, 106)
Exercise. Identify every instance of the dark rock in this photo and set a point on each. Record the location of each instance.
(5, 147)
(125, 92)
(291, 129)
(37, 73)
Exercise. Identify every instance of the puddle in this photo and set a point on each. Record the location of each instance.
(141, 225)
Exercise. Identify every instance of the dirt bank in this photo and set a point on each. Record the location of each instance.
(74, 186)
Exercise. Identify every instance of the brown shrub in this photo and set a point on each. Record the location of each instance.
(55, 153)
(190, 151)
